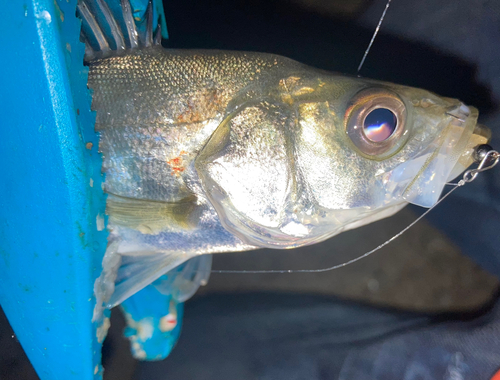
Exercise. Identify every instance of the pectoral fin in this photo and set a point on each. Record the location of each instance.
(177, 274)
(152, 217)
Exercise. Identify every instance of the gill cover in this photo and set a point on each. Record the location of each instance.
(246, 172)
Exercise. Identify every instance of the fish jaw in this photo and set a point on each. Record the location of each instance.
(444, 159)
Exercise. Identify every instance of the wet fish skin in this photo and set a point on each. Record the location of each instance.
(156, 109)
(257, 140)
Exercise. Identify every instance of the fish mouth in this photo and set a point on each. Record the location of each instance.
(447, 157)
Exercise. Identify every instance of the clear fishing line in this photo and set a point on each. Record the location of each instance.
(374, 35)
(488, 161)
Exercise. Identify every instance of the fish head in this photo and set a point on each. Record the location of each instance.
(319, 155)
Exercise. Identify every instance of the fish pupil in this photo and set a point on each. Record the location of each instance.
(379, 124)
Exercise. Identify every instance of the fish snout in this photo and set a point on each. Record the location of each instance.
(449, 155)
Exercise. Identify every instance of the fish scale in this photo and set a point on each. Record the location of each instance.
(157, 107)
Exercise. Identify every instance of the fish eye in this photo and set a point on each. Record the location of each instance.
(375, 122)
(379, 124)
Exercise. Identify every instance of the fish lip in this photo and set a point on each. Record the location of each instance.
(483, 131)
(442, 156)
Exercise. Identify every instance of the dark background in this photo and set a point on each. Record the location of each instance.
(303, 326)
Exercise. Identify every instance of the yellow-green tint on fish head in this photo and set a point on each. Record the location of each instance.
(321, 154)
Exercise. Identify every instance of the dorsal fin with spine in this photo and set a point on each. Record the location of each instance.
(106, 34)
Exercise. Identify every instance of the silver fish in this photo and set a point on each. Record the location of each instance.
(216, 151)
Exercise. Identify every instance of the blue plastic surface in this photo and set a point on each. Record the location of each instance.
(51, 201)
(154, 323)
(52, 205)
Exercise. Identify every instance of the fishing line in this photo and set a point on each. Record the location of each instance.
(488, 161)
(374, 35)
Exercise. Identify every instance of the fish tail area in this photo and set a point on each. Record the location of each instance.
(178, 275)
(112, 27)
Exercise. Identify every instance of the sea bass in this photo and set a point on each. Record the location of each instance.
(217, 151)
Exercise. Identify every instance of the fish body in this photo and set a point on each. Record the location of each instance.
(214, 151)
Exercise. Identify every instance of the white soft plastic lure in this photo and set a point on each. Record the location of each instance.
(217, 151)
